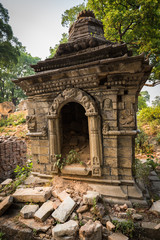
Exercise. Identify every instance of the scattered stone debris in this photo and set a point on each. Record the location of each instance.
(44, 211)
(155, 207)
(5, 204)
(64, 210)
(66, 230)
(37, 194)
(91, 231)
(6, 182)
(117, 236)
(28, 211)
(91, 197)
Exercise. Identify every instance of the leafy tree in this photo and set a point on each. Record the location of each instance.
(156, 101)
(9, 45)
(135, 22)
(64, 39)
(9, 91)
(143, 99)
(70, 15)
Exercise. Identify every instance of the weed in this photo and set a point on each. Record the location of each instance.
(126, 227)
(2, 236)
(142, 143)
(13, 120)
(71, 157)
(21, 174)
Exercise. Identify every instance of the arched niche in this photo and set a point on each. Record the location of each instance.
(95, 144)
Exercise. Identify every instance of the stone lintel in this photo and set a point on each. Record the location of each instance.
(121, 132)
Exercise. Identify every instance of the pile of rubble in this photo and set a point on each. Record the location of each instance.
(63, 215)
(12, 153)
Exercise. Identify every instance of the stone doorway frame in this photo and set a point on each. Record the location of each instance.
(94, 126)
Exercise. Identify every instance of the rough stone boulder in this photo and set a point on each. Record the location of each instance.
(64, 231)
(91, 231)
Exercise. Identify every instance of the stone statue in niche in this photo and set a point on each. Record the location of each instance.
(107, 104)
(105, 128)
(31, 122)
(95, 161)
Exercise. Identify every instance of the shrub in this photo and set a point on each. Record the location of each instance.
(13, 120)
(142, 144)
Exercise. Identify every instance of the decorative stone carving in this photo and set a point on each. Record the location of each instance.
(44, 131)
(96, 171)
(126, 117)
(75, 95)
(31, 121)
(105, 128)
(107, 104)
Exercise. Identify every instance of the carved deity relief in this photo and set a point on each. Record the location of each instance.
(96, 171)
(31, 121)
(73, 94)
(107, 104)
(127, 115)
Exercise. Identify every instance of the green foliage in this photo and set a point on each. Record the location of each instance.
(142, 170)
(9, 91)
(151, 162)
(71, 157)
(150, 116)
(126, 227)
(134, 22)
(64, 39)
(143, 98)
(8, 43)
(142, 144)
(69, 16)
(156, 101)
(2, 236)
(13, 120)
(21, 173)
(158, 138)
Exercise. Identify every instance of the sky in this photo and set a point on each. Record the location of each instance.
(37, 25)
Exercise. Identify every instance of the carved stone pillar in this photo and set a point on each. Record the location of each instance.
(54, 140)
(95, 144)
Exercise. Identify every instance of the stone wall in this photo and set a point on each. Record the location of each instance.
(12, 153)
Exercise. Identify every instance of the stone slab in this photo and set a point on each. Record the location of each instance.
(28, 211)
(64, 210)
(63, 195)
(117, 236)
(5, 204)
(44, 211)
(155, 206)
(6, 182)
(76, 169)
(91, 230)
(31, 223)
(67, 229)
(109, 191)
(37, 194)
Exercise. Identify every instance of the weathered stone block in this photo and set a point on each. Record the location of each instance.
(39, 227)
(91, 231)
(28, 211)
(5, 204)
(67, 230)
(64, 210)
(37, 194)
(117, 236)
(44, 211)
(110, 152)
(91, 197)
(43, 150)
(43, 158)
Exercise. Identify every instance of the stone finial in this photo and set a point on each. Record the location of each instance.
(85, 13)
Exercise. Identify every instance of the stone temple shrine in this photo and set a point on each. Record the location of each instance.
(85, 98)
